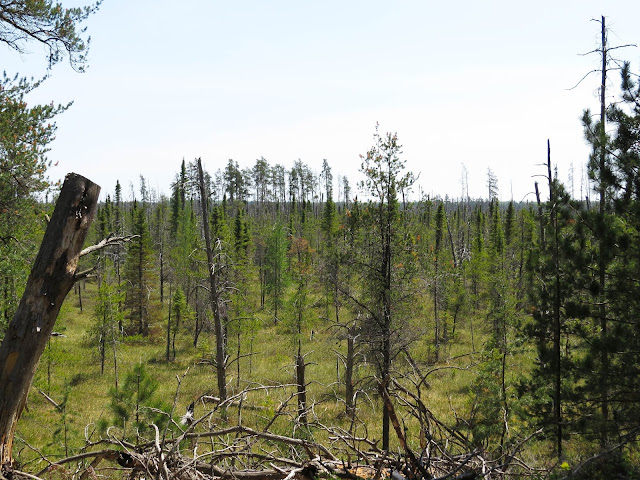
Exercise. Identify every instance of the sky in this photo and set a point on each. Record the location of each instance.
(467, 86)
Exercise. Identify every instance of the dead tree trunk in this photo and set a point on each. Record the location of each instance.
(221, 361)
(302, 387)
(348, 374)
(52, 277)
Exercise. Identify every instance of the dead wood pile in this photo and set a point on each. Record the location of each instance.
(197, 449)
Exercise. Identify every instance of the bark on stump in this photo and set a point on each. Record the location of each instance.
(52, 277)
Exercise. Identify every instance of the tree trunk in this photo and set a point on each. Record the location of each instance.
(557, 319)
(80, 298)
(51, 279)
(348, 374)
(602, 267)
(221, 367)
(168, 352)
(198, 327)
(302, 387)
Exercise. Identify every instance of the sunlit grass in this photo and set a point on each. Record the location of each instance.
(268, 375)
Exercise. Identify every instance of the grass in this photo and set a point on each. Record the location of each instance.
(72, 363)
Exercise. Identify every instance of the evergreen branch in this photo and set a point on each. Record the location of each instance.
(629, 437)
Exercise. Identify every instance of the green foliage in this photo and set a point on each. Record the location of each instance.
(178, 198)
(241, 237)
(25, 134)
(181, 318)
(133, 405)
(610, 361)
(179, 307)
(488, 413)
(235, 182)
(329, 223)
(276, 277)
(383, 258)
(219, 227)
(440, 222)
(139, 273)
(49, 24)
(108, 319)
(392, 274)
(610, 465)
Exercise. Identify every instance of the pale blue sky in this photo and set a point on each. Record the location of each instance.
(482, 84)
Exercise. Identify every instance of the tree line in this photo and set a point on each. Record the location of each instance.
(385, 273)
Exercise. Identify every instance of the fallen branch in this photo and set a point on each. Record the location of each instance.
(101, 454)
(50, 400)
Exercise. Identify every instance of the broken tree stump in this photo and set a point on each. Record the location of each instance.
(52, 277)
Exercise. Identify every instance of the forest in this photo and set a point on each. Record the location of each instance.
(279, 323)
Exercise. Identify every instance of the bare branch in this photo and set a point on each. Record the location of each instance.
(106, 243)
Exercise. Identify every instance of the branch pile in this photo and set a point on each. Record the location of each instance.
(196, 449)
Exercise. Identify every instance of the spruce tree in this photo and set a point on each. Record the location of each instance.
(108, 316)
(617, 228)
(275, 267)
(383, 266)
(139, 273)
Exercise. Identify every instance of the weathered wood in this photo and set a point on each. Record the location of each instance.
(52, 277)
(216, 301)
(302, 387)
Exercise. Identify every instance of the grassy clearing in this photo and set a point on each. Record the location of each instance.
(71, 364)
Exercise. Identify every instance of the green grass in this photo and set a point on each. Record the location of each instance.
(73, 361)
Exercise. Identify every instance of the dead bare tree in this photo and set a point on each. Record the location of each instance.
(52, 277)
(215, 290)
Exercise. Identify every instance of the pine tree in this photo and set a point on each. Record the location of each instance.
(381, 255)
(217, 267)
(134, 406)
(139, 273)
(108, 317)
(437, 294)
(178, 197)
(25, 134)
(178, 314)
(492, 398)
(275, 270)
(615, 228)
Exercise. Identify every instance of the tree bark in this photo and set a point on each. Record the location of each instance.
(302, 387)
(221, 361)
(348, 374)
(52, 277)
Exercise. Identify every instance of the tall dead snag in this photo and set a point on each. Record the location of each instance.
(216, 301)
(52, 277)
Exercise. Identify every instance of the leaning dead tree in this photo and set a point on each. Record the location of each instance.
(52, 276)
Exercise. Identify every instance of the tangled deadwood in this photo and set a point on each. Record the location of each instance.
(196, 448)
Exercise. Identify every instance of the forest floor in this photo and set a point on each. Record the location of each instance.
(70, 376)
